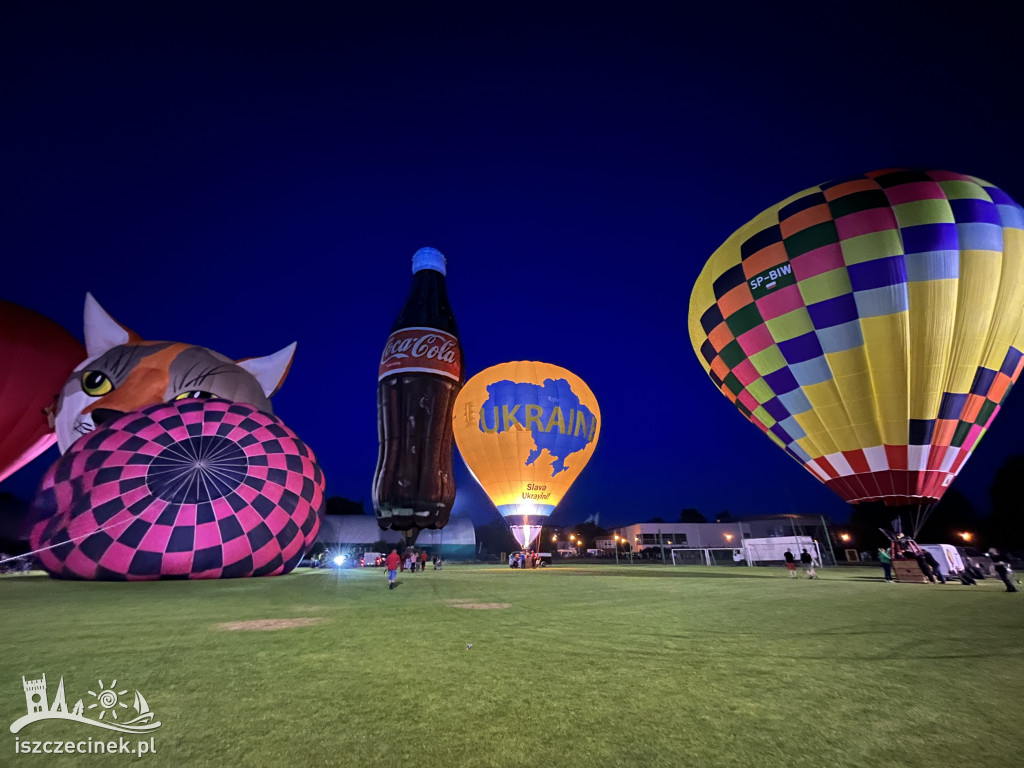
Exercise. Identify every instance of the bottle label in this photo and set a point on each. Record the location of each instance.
(426, 350)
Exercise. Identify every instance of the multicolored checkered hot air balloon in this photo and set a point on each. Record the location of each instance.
(526, 430)
(871, 327)
(198, 489)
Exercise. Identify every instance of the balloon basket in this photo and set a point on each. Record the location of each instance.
(908, 572)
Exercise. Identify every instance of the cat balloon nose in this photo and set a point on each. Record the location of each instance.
(101, 416)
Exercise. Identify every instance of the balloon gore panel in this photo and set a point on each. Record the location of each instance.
(194, 489)
(871, 327)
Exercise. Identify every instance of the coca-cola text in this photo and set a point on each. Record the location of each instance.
(421, 349)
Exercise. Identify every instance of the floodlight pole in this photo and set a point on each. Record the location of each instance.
(828, 538)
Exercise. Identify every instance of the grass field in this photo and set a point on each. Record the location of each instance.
(573, 665)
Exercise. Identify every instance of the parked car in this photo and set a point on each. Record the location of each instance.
(371, 560)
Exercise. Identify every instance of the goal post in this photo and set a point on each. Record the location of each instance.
(689, 557)
(727, 556)
(709, 556)
(772, 551)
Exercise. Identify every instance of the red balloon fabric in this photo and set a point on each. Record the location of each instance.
(36, 357)
(198, 489)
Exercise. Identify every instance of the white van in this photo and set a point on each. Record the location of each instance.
(947, 556)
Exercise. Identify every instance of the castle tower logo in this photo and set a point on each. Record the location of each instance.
(107, 705)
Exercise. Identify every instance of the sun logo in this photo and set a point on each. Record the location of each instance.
(107, 699)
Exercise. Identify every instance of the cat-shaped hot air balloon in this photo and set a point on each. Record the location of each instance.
(124, 373)
(173, 465)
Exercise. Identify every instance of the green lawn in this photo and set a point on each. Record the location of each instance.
(588, 665)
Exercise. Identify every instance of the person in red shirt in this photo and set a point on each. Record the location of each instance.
(423, 561)
(790, 564)
(391, 563)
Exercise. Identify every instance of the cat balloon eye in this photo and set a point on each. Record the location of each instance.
(197, 394)
(96, 383)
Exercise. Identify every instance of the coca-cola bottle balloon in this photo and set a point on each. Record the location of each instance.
(420, 375)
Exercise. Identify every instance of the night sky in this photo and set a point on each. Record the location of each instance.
(246, 177)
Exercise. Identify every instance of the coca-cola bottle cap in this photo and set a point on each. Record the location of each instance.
(428, 258)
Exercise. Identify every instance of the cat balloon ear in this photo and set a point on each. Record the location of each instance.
(270, 371)
(102, 332)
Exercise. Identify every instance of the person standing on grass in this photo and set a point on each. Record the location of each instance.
(423, 561)
(391, 563)
(790, 564)
(808, 563)
(886, 560)
(1002, 564)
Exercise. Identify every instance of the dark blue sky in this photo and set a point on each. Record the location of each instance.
(244, 177)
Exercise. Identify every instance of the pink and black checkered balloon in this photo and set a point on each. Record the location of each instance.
(198, 489)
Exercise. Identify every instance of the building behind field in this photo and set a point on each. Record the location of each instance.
(650, 539)
(360, 533)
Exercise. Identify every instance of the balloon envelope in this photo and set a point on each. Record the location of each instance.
(124, 373)
(871, 327)
(197, 489)
(526, 430)
(37, 354)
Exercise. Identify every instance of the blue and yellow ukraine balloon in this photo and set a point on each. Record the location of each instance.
(871, 327)
(526, 430)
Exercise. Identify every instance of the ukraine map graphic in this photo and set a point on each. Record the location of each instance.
(559, 423)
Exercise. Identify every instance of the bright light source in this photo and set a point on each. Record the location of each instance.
(728, 537)
(966, 536)
(844, 536)
(339, 559)
(525, 534)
